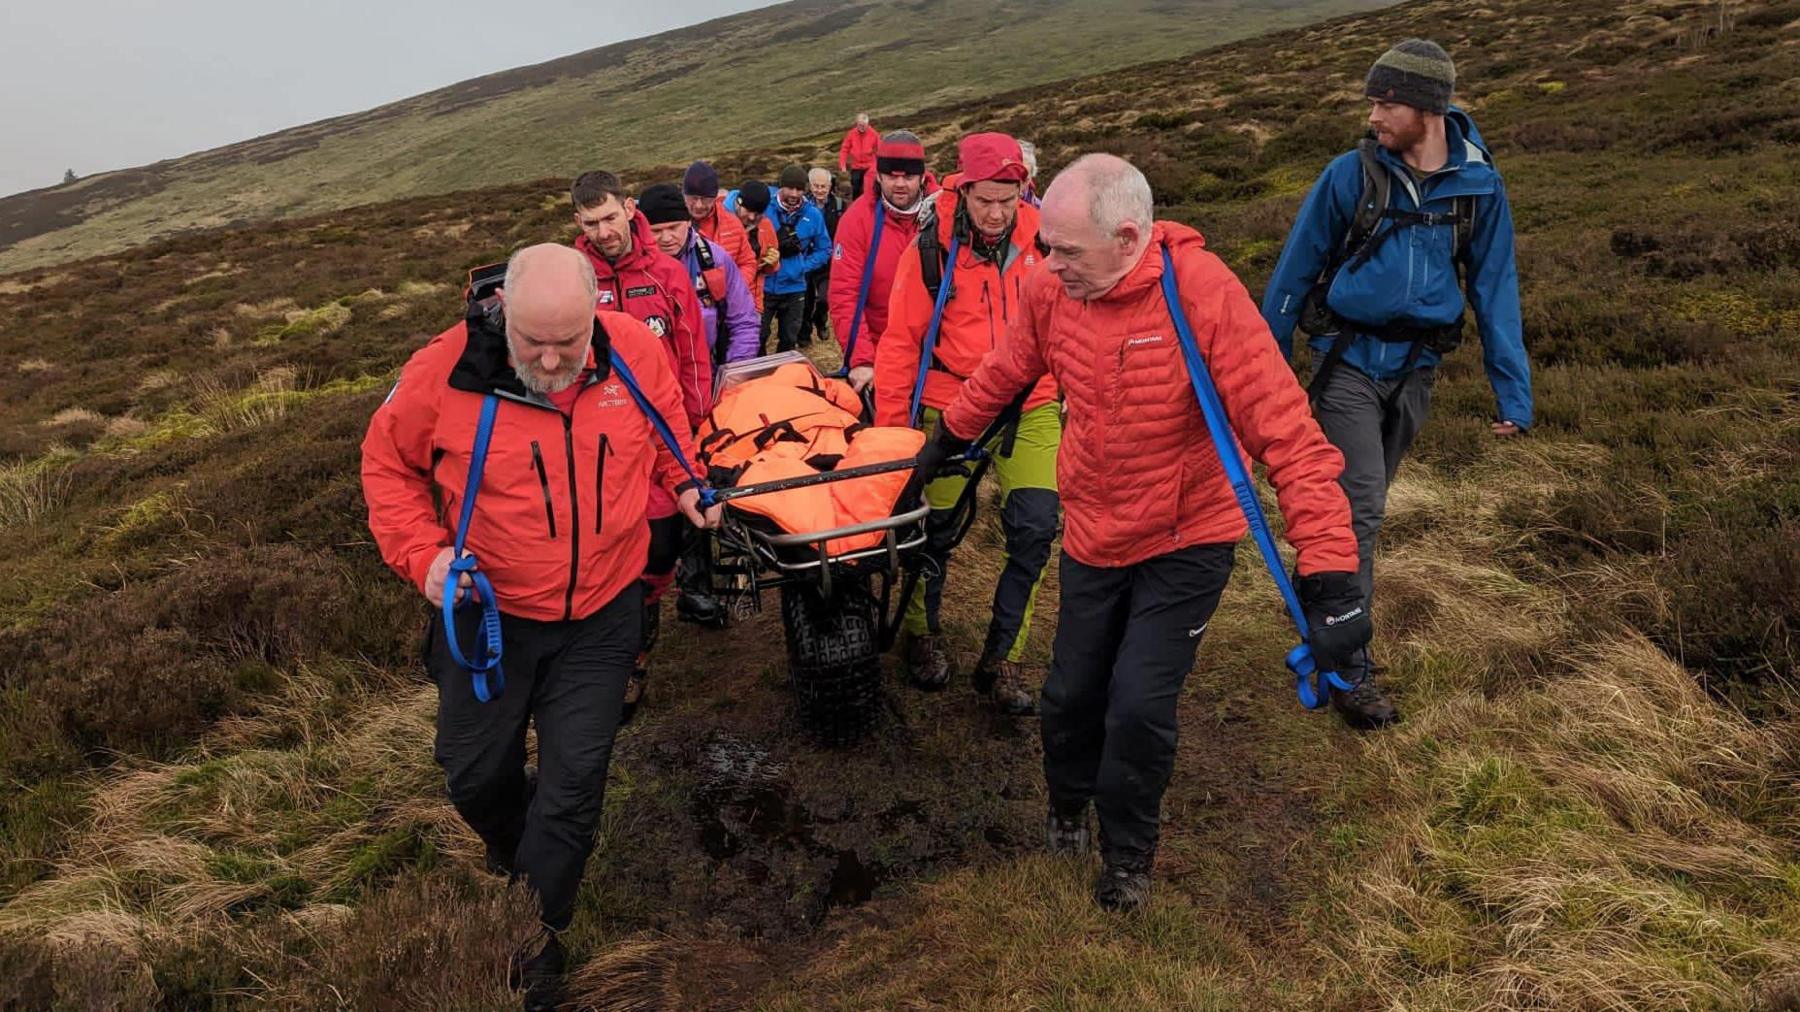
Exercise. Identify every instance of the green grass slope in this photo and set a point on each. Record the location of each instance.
(769, 75)
(216, 744)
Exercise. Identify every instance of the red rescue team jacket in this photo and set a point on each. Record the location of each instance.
(1137, 471)
(559, 520)
(858, 149)
(856, 230)
(724, 228)
(654, 288)
(983, 302)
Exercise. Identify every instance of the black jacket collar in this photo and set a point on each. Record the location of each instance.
(486, 368)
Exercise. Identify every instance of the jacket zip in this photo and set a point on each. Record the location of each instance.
(574, 518)
(600, 481)
(537, 460)
(989, 306)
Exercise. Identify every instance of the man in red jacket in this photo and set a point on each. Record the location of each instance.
(654, 288)
(1150, 517)
(857, 153)
(879, 225)
(558, 528)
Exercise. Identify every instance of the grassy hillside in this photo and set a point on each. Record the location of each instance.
(768, 75)
(217, 744)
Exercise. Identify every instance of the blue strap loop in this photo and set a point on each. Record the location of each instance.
(487, 657)
(1309, 682)
(931, 333)
(661, 425)
(862, 289)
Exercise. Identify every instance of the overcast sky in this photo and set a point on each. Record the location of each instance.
(105, 84)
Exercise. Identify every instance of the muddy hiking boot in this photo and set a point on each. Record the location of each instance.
(539, 975)
(1066, 835)
(1366, 707)
(1004, 682)
(1122, 886)
(928, 662)
(701, 609)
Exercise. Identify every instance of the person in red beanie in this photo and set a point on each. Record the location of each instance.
(995, 236)
(1152, 521)
(879, 226)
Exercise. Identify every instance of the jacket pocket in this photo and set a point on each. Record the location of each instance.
(604, 451)
(537, 461)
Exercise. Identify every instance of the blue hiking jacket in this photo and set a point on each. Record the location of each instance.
(815, 247)
(1412, 279)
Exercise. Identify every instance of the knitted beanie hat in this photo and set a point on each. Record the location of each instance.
(1416, 73)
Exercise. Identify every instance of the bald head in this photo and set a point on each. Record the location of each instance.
(1097, 218)
(549, 296)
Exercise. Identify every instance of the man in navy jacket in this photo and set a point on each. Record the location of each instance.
(805, 248)
(1380, 286)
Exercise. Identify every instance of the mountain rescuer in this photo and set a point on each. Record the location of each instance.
(1378, 291)
(879, 226)
(559, 530)
(653, 288)
(821, 192)
(805, 247)
(995, 239)
(700, 188)
(857, 153)
(750, 203)
(1151, 517)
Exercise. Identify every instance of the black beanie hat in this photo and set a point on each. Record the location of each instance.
(663, 203)
(793, 177)
(701, 180)
(1416, 73)
(754, 195)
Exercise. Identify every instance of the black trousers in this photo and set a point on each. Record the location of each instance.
(856, 182)
(781, 313)
(1125, 642)
(569, 677)
(817, 316)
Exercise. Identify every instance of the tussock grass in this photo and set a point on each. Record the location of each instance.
(31, 491)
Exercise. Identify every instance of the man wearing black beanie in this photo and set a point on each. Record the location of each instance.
(1394, 241)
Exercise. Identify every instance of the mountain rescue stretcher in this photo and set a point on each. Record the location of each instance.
(811, 491)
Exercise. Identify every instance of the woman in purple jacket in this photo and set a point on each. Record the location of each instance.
(726, 307)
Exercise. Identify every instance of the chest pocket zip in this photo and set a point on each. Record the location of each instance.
(537, 461)
(600, 456)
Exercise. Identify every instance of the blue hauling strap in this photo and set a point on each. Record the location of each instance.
(862, 290)
(931, 332)
(661, 425)
(462, 561)
(1309, 682)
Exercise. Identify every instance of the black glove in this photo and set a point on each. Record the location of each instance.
(939, 448)
(789, 243)
(1338, 618)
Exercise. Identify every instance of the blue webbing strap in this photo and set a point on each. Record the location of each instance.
(1309, 682)
(482, 593)
(862, 290)
(931, 332)
(660, 424)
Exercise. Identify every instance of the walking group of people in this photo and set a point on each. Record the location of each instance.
(568, 396)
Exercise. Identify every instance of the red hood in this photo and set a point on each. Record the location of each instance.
(1148, 272)
(643, 248)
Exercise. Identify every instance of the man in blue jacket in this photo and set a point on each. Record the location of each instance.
(1388, 244)
(805, 248)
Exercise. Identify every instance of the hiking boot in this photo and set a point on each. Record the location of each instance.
(634, 692)
(1366, 707)
(929, 662)
(701, 609)
(1122, 886)
(540, 976)
(1004, 683)
(1066, 835)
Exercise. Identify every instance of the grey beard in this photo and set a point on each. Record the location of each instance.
(534, 379)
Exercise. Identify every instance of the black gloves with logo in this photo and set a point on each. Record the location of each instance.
(1338, 617)
(942, 445)
(789, 242)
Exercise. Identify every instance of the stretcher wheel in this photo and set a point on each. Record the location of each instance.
(834, 660)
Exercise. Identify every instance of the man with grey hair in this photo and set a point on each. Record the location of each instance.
(531, 365)
(821, 192)
(1150, 518)
(856, 154)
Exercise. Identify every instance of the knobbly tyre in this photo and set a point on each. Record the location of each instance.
(814, 513)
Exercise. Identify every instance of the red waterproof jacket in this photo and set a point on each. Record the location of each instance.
(856, 229)
(858, 149)
(654, 288)
(559, 520)
(983, 302)
(1137, 471)
(724, 228)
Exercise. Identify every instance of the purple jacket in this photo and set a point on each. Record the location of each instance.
(740, 335)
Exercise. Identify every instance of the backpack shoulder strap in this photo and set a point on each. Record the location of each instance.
(703, 252)
(1377, 184)
(931, 260)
